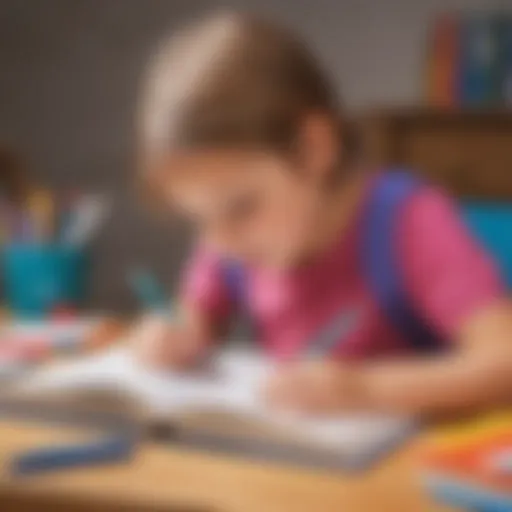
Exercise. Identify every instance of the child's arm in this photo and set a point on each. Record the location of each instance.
(454, 285)
(165, 343)
(477, 374)
(202, 318)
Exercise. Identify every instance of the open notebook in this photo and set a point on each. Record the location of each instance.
(219, 408)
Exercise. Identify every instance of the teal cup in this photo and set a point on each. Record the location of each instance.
(40, 278)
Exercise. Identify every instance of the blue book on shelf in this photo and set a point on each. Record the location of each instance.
(480, 61)
(506, 59)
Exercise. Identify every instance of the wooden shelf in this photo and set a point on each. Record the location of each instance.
(467, 151)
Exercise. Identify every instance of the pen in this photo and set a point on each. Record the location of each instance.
(333, 334)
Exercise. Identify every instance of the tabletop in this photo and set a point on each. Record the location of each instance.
(168, 478)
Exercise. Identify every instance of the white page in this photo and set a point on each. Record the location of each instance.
(233, 387)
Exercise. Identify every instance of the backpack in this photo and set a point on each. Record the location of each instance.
(379, 260)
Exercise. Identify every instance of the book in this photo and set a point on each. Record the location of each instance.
(505, 69)
(443, 61)
(480, 80)
(219, 408)
(470, 465)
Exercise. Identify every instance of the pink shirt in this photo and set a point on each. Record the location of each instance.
(447, 274)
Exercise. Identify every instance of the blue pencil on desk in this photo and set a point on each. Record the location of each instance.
(112, 449)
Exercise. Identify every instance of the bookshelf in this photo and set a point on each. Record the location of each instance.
(467, 151)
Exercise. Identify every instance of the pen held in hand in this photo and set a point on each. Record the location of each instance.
(333, 334)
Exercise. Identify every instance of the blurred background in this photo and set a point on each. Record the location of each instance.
(70, 73)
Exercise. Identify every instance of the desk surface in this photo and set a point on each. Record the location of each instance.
(179, 480)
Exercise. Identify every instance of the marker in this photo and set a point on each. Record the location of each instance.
(148, 291)
(42, 213)
(85, 220)
(67, 205)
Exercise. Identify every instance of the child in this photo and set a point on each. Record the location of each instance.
(242, 133)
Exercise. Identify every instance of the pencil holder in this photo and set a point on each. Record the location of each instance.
(40, 278)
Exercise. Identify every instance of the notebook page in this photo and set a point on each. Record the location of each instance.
(116, 369)
(247, 372)
(233, 388)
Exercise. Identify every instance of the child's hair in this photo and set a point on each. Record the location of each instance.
(235, 81)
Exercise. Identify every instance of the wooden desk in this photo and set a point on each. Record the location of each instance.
(162, 478)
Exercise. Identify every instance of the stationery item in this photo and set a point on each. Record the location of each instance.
(335, 333)
(468, 465)
(114, 435)
(66, 202)
(221, 410)
(114, 448)
(63, 313)
(45, 262)
(443, 61)
(39, 278)
(480, 71)
(88, 214)
(26, 345)
(55, 335)
(148, 291)
(42, 214)
(506, 59)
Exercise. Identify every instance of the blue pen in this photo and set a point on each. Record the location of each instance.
(334, 333)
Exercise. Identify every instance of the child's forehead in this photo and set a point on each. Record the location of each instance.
(218, 165)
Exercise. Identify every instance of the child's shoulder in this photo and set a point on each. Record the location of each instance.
(400, 198)
(409, 200)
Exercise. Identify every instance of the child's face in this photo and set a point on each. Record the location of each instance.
(251, 206)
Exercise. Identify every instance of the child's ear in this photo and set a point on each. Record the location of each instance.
(318, 146)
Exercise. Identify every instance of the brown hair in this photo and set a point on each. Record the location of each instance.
(237, 81)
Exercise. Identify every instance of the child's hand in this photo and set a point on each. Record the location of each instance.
(159, 343)
(318, 387)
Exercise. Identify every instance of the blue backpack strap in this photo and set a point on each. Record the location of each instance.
(234, 278)
(380, 259)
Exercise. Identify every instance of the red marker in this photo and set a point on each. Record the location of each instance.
(63, 313)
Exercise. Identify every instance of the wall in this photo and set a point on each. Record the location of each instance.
(69, 73)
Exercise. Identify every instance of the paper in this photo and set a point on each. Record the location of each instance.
(233, 388)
